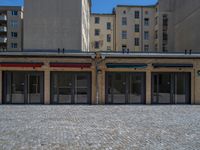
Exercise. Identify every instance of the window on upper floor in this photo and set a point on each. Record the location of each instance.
(14, 13)
(14, 23)
(96, 45)
(124, 34)
(146, 35)
(146, 48)
(146, 21)
(108, 25)
(13, 45)
(14, 34)
(108, 38)
(137, 28)
(137, 42)
(137, 14)
(97, 20)
(97, 32)
(124, 21)
(124, 47)
(156, 34)
(108, 48)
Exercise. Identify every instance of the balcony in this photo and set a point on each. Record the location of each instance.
(3, 29)
(3, 17)
(3, 39)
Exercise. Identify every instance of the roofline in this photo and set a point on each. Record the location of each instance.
(151, 55)
(102, 54)
(136, 5)
(10, 7)
(103, 14)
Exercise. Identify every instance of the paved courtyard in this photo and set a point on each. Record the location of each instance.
(99, 127)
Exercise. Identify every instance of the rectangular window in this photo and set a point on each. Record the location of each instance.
(97, 32)
(108, 48)
(137, 28)
(124, 34)
(146, 35)
(14, 13)
(108, 38)
(137, 14)
(156, 34)
(13, 45)
(96, 46)
(14, 34)
(108, 26)
(146, 21)
(124, 47)
(124, 21)
(137, 42)
(146, 48)
(97, 20)
(14, 23)
(156, 20)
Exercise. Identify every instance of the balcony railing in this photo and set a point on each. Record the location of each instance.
(3, 17)
(3, 29)
(3, 39)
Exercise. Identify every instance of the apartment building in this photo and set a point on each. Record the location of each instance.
(135, 28)
(102, 32)
(11, 28)
(57, 24)
(169, 25)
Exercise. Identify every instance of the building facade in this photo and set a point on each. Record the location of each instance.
(102, 32)
(158, 28)
(135, 28)
(11, 28)
(101, 78)
(56, 24)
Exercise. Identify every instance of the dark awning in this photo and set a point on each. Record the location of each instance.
(71, 65)
(21, 64)
(158, 65)
(125, 65)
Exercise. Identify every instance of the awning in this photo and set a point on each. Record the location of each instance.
(125, 65)
(158, 65)
(70, 65)
(21, 64)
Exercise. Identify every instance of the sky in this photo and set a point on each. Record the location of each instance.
(98, 6)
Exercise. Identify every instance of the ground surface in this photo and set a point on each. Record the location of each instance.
(100, 127)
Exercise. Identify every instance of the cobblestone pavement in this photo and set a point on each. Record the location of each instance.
(99, 127)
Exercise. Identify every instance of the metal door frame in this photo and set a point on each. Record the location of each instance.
(127, 90)
(7, 78)
(73, 78)
(172, 87)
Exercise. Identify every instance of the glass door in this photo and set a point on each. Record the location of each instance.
(81, 90)
(62, 88)
(137, 88)
(116, 88)
(23, 87)
(34, 88)
(17, 88)
(162, 88)
(70, 88)
(171, 88)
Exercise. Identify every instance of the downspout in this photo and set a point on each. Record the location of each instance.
(97, 63)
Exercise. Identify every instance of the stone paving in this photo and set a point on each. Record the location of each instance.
(99, 127)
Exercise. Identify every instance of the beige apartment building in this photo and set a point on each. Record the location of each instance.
(169, 25)
(135, 28)
(11, 28)
(57, 24)
(102, 32)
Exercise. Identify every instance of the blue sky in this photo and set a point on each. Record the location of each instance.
(98, 6)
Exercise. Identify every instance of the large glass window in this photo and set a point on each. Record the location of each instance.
(171, 88)
(125, 88)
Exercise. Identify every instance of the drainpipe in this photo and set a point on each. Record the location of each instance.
(97, 63)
